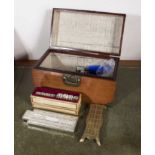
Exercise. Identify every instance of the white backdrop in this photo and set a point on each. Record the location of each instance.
(33, 19)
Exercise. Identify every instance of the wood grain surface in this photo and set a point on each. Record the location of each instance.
(94, 90)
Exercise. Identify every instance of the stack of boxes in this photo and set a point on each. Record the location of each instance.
(54, 108)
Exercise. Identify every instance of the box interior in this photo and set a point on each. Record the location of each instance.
(80, 64)
(90, 31)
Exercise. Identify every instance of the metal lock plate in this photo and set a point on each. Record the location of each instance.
(71, 80)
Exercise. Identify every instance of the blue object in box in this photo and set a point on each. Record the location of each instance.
(99, 69)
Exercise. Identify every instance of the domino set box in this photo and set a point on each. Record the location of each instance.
(56, 100)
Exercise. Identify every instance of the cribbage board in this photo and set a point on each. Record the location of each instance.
(94, 123)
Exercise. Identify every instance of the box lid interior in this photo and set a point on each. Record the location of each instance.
(97, 32)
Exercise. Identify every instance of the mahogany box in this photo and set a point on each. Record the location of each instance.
(83, 54)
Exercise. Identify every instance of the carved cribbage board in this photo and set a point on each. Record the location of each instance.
(94, 123)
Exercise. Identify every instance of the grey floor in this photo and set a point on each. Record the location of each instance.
(120, 135)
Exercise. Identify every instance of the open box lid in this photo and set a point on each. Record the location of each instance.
(87, 31)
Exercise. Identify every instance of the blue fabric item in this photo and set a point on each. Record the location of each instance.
(99, 69)
(92, 69)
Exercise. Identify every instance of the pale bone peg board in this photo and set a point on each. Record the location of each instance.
(94, 123)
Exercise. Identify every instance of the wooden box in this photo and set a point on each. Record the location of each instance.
(56, 100)
(80, 41)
